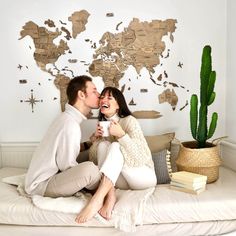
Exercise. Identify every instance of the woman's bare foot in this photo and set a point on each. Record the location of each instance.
(109, 203)
(96, 201)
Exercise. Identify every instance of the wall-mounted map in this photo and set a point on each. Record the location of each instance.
(140, 45)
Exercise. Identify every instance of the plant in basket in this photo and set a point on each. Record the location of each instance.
(200, 156)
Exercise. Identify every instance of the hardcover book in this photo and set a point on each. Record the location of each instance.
(188, 185)
(188, 177)
(197, 191)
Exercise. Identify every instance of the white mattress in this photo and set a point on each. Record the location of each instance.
(174, 229)
(211, 212)
(218, 202)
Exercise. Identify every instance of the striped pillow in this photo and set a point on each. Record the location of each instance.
(162, 166)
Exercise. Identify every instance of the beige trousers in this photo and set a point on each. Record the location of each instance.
(68, 182)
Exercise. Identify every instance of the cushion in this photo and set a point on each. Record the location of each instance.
(83, 156)
(175, 146)
(162, 166)
(160, 146)
(14, 180)
(157, 143)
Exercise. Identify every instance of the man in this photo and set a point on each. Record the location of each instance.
(53, 171)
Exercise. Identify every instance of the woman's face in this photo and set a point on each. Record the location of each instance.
(108, 105)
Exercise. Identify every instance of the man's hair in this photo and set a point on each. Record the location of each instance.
(119, 97)
(76, 84)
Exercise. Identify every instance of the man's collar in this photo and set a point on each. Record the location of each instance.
(79, 116)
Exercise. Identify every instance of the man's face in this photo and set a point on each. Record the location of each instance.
(92, 95)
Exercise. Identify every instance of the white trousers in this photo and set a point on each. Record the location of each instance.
(111, 163)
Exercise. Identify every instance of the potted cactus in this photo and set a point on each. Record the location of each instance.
(201, 156)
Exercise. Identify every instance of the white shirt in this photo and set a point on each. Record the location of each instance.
(57, 151)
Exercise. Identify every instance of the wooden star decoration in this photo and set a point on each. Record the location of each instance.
(32, 100)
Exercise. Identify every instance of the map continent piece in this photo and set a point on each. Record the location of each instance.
(111, 72)
(170, 97)
(45, 50)
(79, 19)
(61, 83)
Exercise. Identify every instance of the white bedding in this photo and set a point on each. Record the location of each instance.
(19, 209)
(212, 209)
(218, 202)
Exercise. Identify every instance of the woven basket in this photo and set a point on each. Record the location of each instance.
(204, 161)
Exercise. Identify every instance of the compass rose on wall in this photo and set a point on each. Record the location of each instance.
(32, 100)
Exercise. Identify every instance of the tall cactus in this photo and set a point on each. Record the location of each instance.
(198, 119)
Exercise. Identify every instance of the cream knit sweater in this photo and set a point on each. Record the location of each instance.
(133, 145)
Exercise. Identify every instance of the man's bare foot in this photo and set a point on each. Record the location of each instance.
(109, 203)
(89, 211)
(96, 201)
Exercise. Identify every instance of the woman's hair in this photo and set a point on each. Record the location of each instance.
(76, 84)
(120, 99)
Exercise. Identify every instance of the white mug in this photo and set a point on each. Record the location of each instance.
(105, 127)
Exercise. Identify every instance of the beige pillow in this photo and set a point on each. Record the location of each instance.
(83, 156)
(157, 143)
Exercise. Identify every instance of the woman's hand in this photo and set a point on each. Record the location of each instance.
(116, 130)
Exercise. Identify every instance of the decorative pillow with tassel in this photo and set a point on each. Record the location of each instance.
(162, 166)
(160, 146)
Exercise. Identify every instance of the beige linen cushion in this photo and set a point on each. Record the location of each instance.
(157, 143)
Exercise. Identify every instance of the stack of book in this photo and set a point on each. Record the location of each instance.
(188, 182)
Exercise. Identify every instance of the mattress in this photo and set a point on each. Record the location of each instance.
(218, 202)
(174, 229)
(212, 212)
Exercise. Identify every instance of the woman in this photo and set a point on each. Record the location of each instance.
(124, 156)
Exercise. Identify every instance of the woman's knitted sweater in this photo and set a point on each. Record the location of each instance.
(133, 144)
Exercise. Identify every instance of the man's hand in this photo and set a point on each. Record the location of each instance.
(97, 134)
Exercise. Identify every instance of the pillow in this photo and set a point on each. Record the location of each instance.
(15, 180)
(157, 143)
(160, 146)
(175, 146)
(162, 166)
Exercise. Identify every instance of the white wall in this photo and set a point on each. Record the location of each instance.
(231, 71)
(200, 22)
